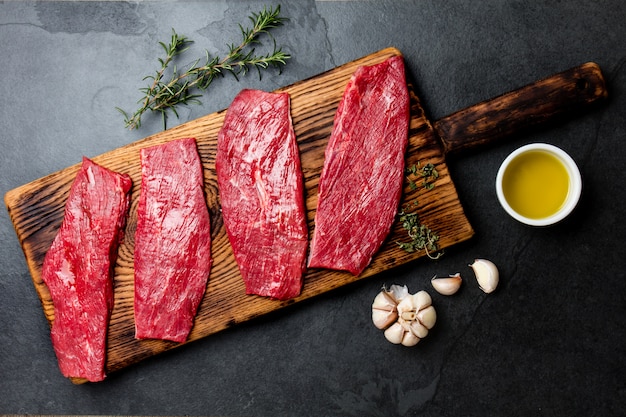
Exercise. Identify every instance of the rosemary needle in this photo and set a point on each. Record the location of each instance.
(182, 88)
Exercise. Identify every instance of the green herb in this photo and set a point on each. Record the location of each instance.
(421, 237)
(428, 173)
(165, 94)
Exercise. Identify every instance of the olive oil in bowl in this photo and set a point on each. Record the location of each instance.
(538, 184)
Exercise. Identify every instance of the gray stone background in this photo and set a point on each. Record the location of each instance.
(549, 342)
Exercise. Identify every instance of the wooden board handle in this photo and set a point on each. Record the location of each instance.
(547, 100)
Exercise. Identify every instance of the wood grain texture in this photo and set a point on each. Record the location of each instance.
(36, 210)
(549, 100)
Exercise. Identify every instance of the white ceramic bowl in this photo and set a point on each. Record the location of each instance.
(573, 195)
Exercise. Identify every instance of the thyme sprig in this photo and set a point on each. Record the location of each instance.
(165, 94)
(428, 173)
(421, 237)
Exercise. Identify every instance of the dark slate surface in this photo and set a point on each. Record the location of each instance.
(549, 342)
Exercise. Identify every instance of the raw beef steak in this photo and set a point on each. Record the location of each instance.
(78, 269)
(172, 241)
(361, 181)
(261, 191)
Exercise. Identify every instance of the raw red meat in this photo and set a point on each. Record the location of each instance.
(172, 241)
(361, 181)
(261, 192)
(78, 269)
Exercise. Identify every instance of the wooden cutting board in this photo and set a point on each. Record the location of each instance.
(36, 210)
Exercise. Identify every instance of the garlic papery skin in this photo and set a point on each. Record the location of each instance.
(487, 274)
(447, 286)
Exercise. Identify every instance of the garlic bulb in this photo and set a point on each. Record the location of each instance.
(406, 318)
(487, 274)
(447, 286)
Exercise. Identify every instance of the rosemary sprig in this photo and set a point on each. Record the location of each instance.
(165, 94)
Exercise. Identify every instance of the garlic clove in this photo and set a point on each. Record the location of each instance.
(418, 329)
(421, 299)
(406, 309)
(447, 286)
(487, 274)
(384, 301)
(383, 319)
(395, 333)
(384, 311)
(428, 317)
(410, 339)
